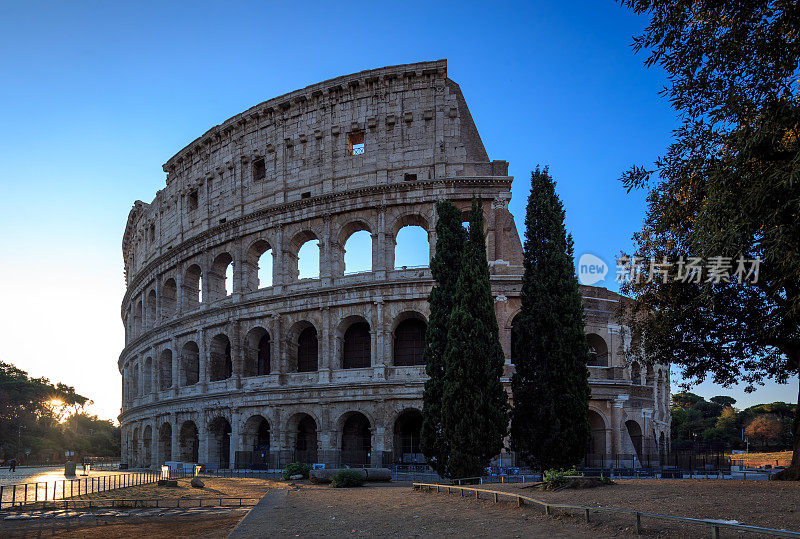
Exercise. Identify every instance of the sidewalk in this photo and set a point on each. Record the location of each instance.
(257, 520)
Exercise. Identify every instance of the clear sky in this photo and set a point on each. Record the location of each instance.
(95, 96)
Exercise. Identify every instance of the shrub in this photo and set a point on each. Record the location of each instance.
(557, 478)
(347, 479)
(296, 468)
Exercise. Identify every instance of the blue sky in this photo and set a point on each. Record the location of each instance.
(96, 96)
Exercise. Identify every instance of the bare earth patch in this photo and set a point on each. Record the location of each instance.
(215, 487)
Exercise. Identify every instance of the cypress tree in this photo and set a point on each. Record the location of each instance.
(450, 240)
(549, 422)
(474, 407)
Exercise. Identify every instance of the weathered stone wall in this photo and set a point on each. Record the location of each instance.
(268, 180)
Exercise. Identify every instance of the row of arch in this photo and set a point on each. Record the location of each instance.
(353, 342)
(262, 265)
(258, 440)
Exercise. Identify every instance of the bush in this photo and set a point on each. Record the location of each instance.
(347, 479)
(296, 468)
(557, 478)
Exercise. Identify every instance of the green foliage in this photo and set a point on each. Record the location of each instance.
(296, 468)
(347, 478)
(554, 478)
(549, 421)
(474, 407)
(48, 418)
(727, 186)
(445, 267)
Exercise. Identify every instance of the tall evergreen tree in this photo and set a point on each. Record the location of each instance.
(445, 265)
(474, 407)
(549, 422)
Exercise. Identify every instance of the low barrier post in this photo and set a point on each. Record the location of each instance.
(638, 524)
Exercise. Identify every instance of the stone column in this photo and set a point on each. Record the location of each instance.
(202, 439)
(236, 353)
(155, 458)
(203, 360)
(379, 358)
(175, 366)
(378, 446)
(325, 348)
(176, 436)
(326, 262)
(616, 418)
(278, 261)
(179, 291)
(235, 438)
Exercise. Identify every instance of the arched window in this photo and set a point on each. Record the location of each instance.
(409, 342)
(165, 370)
(221, 366)
(257, 358)
(304, 250)
(259, 265)
(305, 446)
(356, 440)
(358, 252)
(407, 433)
(219, 444)
(356, 346)
(169, 299)
(411, 247)
(221, 277)
(192, 288)
(137, 319)
(190, 364)
(598, 350)
(307, 348)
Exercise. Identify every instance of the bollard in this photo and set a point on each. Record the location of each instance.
(714, 532)
(546, 509)
(638, 524)
(519, 501)
(495, 497)
(587, 515)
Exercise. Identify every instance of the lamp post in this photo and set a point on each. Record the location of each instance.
(19, 438)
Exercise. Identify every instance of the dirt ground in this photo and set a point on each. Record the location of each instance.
(396, 510)
(771, 504)
(780, 458)
(215, 487)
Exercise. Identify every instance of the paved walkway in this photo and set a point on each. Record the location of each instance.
(258, 519)
(113, 513)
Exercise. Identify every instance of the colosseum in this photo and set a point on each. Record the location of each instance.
(234, 358)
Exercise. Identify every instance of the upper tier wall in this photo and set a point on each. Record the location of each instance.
(413, 121)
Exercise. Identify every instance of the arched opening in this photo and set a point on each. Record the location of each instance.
(597, 438)
(219, 442)
(192, 288)
(598, 350)
(147, 439)
(257, 353)
(636, 374)
(151, 309)
(221, 277)
(411, 247)
(148, 376)
(662, 447)
(136, 375)
(165, 370)
(304, 256)
(305, 446)
(189, 442)
(356, 345)
(307, 349)
(409, 342)
(515, 328)
(165, 443)
(221, 367)
(649, 378)
(169, 299)
(190, 364)
(357, 252)
(356, 440)
(259, 261)
(635, 433)
(256, 444)
(407, 431)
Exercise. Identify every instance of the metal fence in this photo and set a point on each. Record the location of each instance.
(26, 493)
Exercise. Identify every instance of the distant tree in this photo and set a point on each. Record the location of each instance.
(445, 268)
(727, 190)
(723, 400)
(764, 429)
(474, 403)
(549, 420)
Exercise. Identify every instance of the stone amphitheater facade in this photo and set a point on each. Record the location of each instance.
(327, 369)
